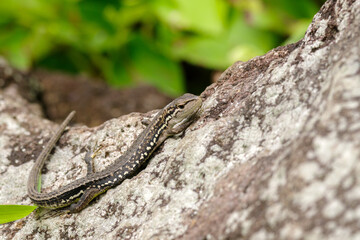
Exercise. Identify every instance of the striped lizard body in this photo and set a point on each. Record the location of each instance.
(172, 119)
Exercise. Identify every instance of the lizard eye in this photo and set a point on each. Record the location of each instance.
(181, 106)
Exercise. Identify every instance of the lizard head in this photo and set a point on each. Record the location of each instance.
(181, 112)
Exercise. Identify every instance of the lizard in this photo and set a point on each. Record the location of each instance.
(173, 119)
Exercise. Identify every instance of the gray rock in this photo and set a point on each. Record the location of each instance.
(275, 153)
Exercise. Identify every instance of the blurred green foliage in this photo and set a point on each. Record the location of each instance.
(132, 41)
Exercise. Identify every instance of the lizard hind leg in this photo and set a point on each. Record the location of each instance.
(84, 200)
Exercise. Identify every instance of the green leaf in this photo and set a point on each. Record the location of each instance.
(298, 31)
(296, 9)
(148, 65)
(244, 52)
(203, 51)
(9, 213)
(39, 183)
(115, 69)
(242, 33)
(201, 16)
(60, 60)
(93, 11)
(12, 43)
(239, 42)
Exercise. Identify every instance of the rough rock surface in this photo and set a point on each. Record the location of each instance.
(275, 153)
